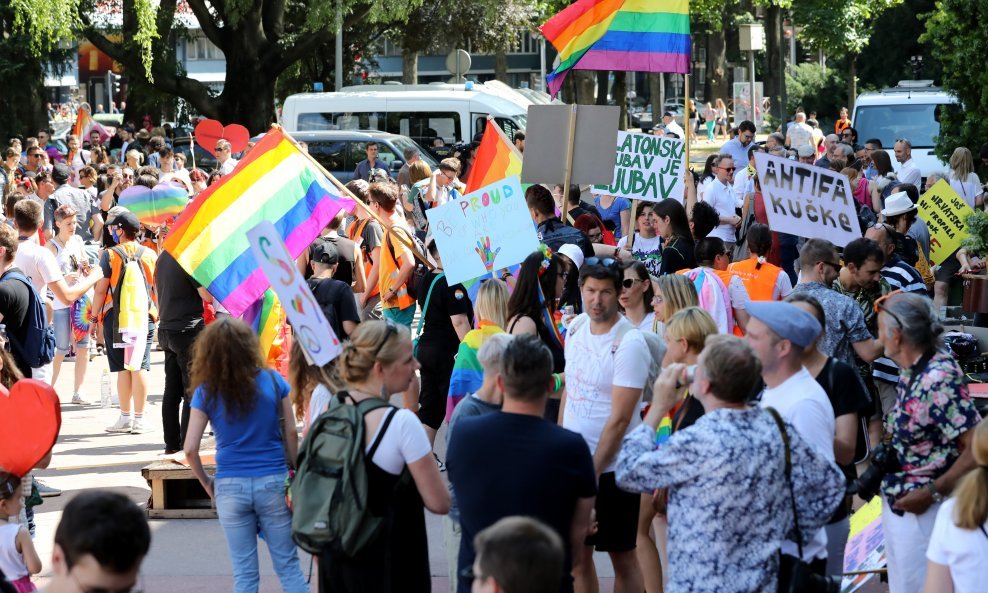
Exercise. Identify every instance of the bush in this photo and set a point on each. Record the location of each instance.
(815, 90)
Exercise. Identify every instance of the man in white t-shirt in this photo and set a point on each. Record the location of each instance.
(40, 267)
(908, 171)
(720, 195)
(799, 133)
(607, 362)
(778, 333)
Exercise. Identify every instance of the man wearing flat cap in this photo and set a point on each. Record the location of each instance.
(778, 333)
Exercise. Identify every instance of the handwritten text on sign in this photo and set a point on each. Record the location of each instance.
(482, 231)
(807, 201)
(648, 168)
(945, 213)
(312, 330)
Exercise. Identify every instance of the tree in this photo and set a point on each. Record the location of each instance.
(22, 78)
(260, 39)
(895, 39)
(956, 33)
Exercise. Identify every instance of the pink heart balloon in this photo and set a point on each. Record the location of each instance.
(208, 131)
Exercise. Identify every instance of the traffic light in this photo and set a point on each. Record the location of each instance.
(112, 87)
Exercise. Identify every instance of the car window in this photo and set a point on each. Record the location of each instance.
(358, 152)
(918, 123)
(508, 125)
(318, 122)
(402, 143)
(331, 154)
(424, 126)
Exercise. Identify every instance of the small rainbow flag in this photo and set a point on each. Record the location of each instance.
(496, 158)
(84, 124)
(266, 317)
(155, 206)
(623, 35)
(275, 182)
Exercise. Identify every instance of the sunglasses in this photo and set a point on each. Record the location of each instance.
(392, 328)
(880, 300)
(835, 266)
(629, 282)
(728, 168)
(600, 261)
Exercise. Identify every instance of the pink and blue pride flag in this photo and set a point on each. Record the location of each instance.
(275, 182)
(622, 35)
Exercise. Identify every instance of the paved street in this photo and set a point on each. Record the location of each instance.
(187, 555)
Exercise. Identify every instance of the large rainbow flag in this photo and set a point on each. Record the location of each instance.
(275, 182)
(496, 158)
(623, 35)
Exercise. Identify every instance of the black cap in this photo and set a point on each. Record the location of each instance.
(668, 114)
(326, 253)
(61, 173)
(125, 219)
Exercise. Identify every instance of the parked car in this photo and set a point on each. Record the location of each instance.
(339, 151)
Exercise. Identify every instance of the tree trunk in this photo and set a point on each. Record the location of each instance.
(246, 100)
(774, 76)
(717, 75)
(603, 85)
(621, 97)
(852, 82)
(409, 66)
(501, 65)
(585, 84)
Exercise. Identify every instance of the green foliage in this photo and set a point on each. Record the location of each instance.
(839, 27)
(45, 22)
(147, 32)
(955, 32)
(977, 241)
(815, 90)
(894, 40)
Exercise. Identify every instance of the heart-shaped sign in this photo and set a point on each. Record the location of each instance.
(208, 131)
(156, 206)
(30, 418)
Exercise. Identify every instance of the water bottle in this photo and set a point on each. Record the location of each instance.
(104, 389)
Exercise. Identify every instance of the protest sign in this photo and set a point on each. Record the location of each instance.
(569, 140)
(807, 201)
(865, 549)
(945, 213)
(312, 330)
(648, 168)
(482, 231)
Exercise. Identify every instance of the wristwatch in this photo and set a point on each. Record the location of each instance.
(937, 497)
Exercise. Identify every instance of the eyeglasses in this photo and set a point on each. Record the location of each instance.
(220, 149)
(600, 261)
(835, 266)
(137, 587)
(882, 299)
(446, 175)
(728, 168)
(392, 327)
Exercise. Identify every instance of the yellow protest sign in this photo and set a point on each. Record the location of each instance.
(944, 212)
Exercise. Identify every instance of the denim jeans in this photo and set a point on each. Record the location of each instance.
(243, 506)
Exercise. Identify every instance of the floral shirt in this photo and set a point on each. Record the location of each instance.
(845, 321)
(865, 298)
(928, 417)
(729, 508)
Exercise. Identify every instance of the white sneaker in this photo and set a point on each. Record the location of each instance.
(78, 399)
(137, 427)
(121, 425)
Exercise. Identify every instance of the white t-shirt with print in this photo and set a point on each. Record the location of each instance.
(647, 251)
(964, 551)
(592, 371)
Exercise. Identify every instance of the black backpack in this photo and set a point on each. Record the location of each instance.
(38, 348)
(418, 281)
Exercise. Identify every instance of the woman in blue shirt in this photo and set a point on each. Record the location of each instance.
(616, 210)
(249, 409)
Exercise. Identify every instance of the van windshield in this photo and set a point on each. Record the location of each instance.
(918, 123)
(402, 143)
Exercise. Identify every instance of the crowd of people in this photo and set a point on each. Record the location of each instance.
(680, 386)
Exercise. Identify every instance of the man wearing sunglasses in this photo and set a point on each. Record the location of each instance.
(720, 195)
(846, 332)
(224, 157)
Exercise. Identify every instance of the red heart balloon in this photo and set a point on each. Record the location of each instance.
(208, 131)
(30, 418)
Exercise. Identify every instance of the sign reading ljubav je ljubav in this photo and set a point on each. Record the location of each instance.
(807, 201)
(483, 231)
(648, 168)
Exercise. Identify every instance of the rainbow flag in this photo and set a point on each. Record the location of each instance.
(84, 124)
(496, 158)
(623, 35)
(275, 182)
(266, 316)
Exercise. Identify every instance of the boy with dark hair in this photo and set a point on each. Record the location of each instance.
(517, 555)
(334, 297)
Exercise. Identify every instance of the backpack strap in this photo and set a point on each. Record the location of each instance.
(622, 331)
(380, 434)
(425, 309)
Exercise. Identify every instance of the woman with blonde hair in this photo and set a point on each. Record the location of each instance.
(685, 334)
(964, 180)
(491, 310)
(376, 362)
(959, 543)
(248, 407)
(671, 293)
(134, 159)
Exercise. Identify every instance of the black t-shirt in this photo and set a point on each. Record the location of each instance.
(15, 299)
(503, 465)
(438, 330)
(179, 302)
(678, 255)
(336, 301)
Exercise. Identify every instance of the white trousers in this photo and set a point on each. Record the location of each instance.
(906, 540)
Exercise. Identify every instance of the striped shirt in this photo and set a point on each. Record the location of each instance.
(900, 276)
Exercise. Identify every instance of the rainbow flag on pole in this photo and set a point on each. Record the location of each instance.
(275, 182)
(496, 158)
(623, 35)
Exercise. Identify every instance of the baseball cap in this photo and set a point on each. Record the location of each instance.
(123, 218)
(61, 173)
(788, 321)
(326, 253)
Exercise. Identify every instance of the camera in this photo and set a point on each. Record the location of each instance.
(884, 461)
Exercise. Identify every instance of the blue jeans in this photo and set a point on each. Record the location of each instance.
(243, 504)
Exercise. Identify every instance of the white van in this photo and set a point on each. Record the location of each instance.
(453, 112)
(910, 110)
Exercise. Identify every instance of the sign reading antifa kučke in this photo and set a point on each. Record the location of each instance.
(807, 201)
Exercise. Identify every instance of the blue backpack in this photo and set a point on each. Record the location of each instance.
(38, 348)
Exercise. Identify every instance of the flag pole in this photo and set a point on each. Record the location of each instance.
(401, 238)
(570, 141)
(686, 120)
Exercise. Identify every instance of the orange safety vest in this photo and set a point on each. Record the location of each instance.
(354, 233)
(390, 265)
(760, 283)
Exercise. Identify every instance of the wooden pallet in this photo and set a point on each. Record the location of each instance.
(176, 493)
